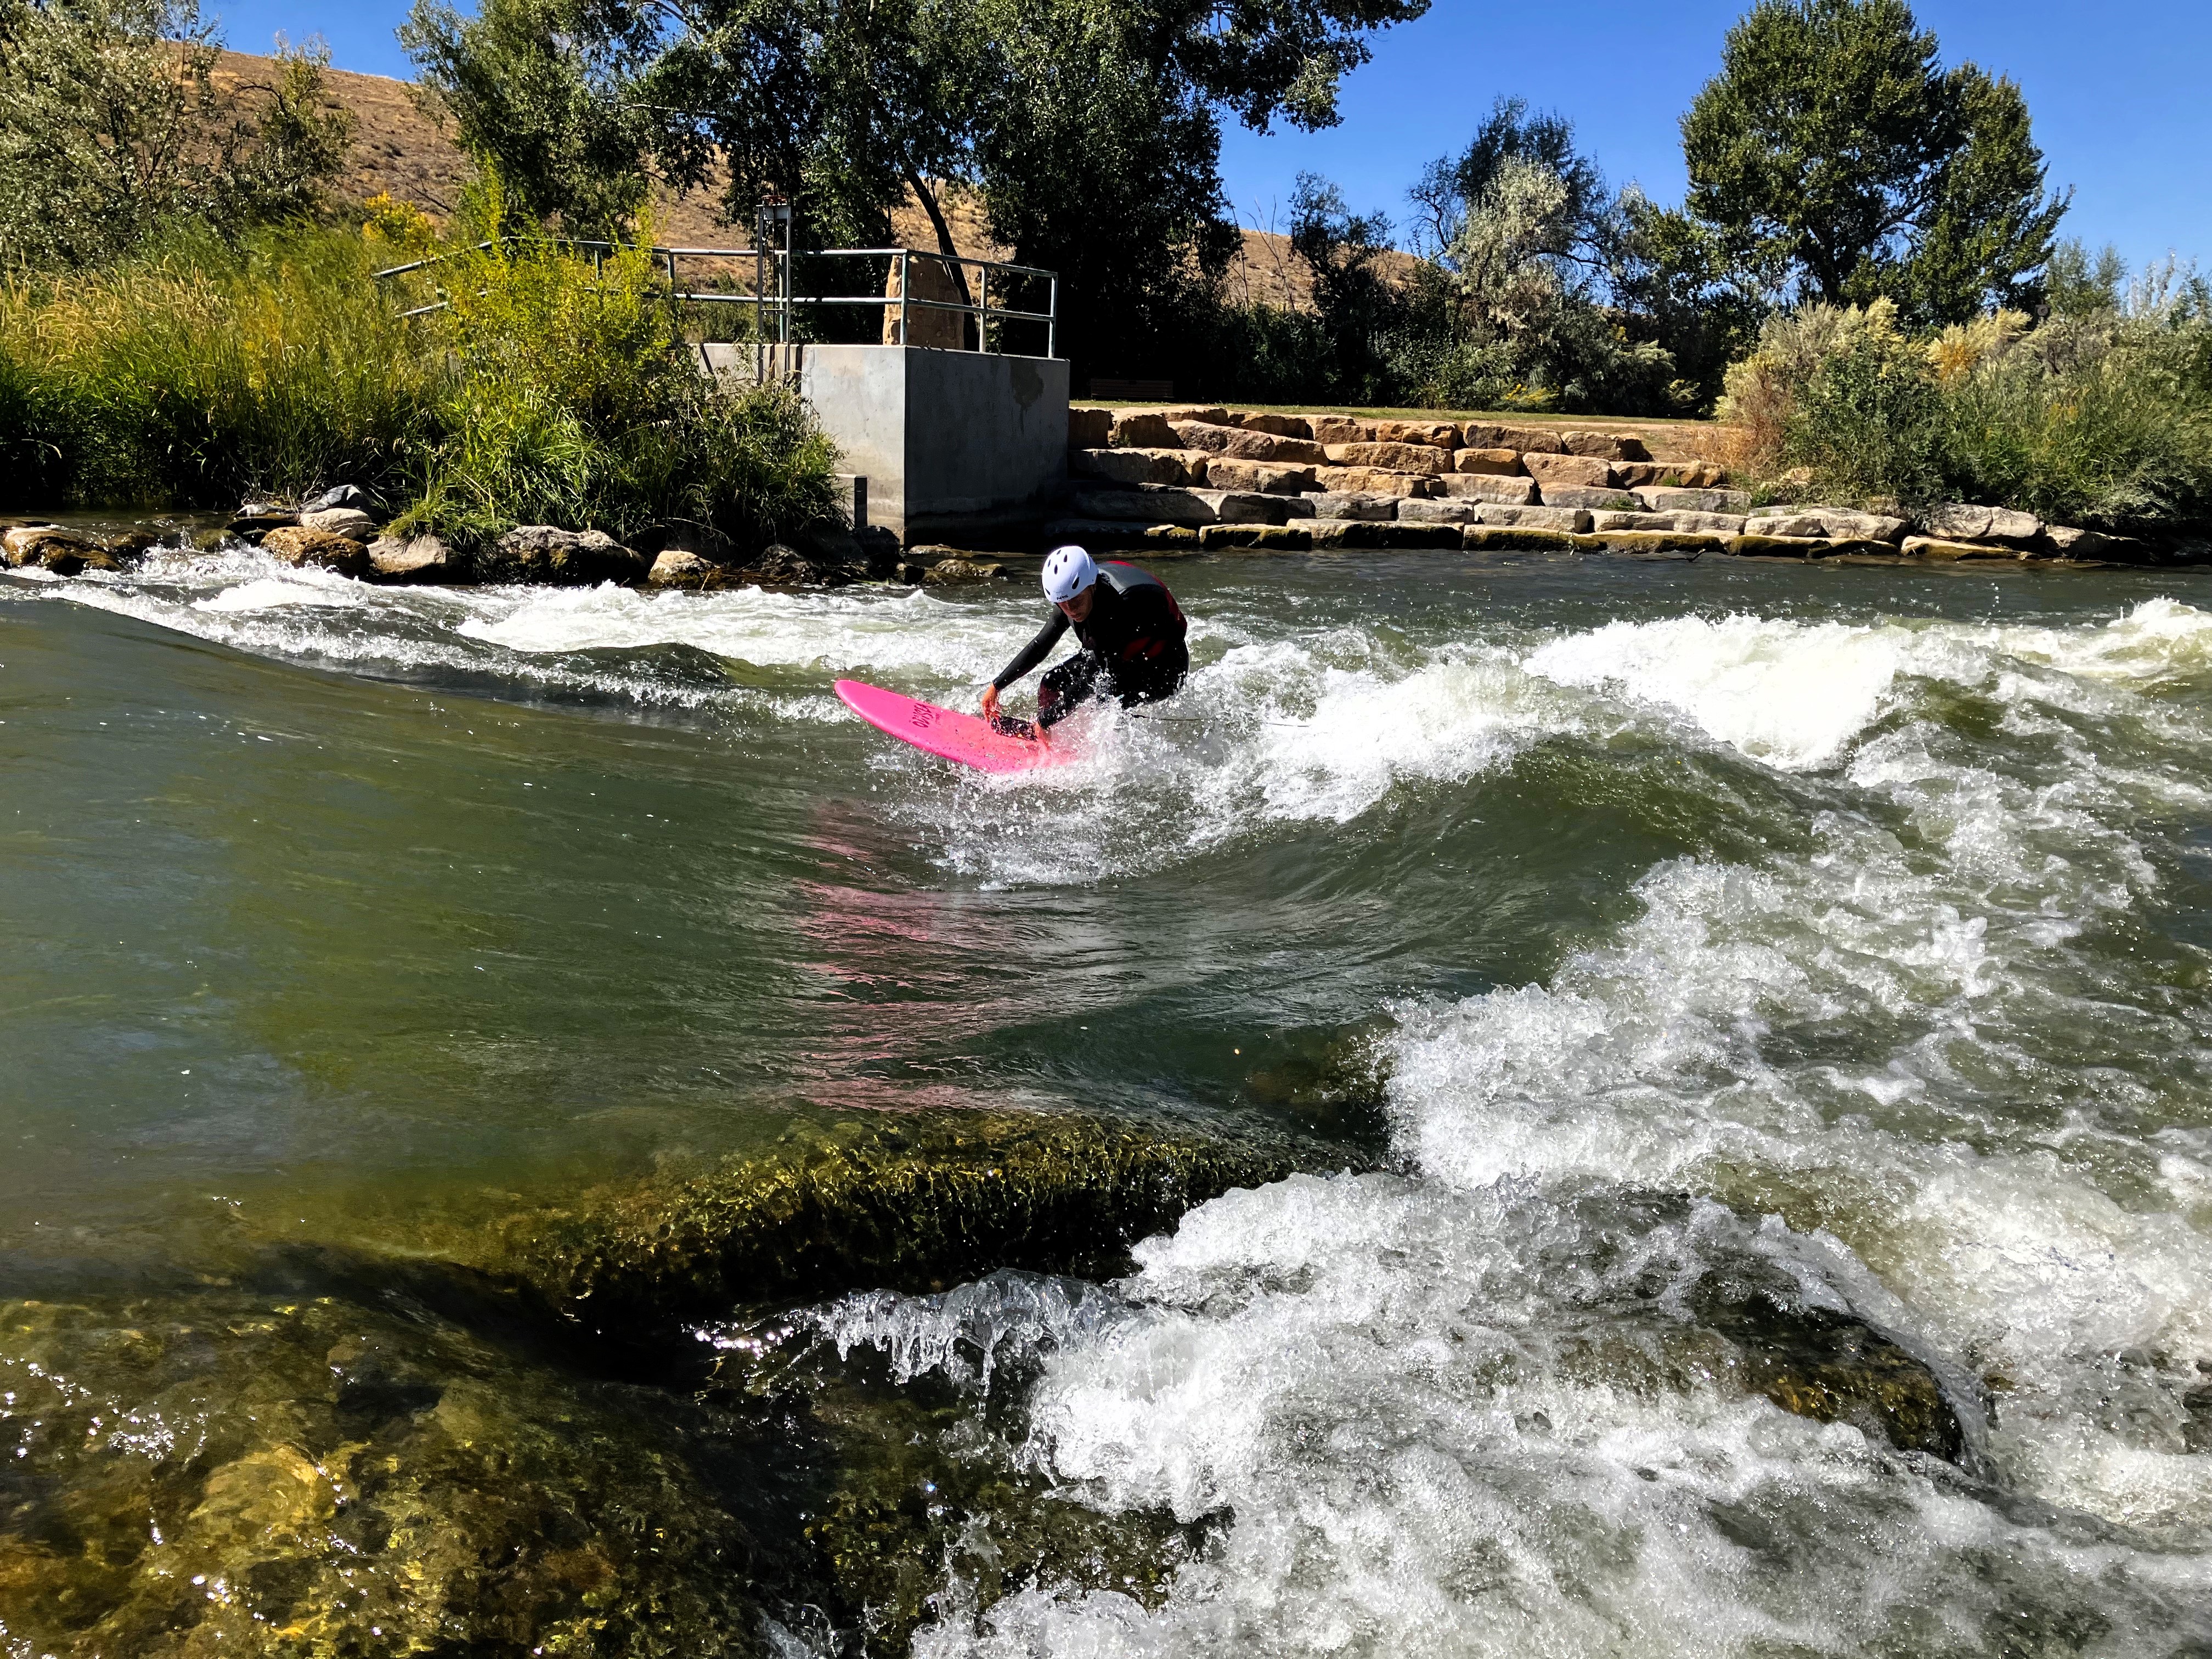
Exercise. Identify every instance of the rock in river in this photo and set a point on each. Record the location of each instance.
(297, 544)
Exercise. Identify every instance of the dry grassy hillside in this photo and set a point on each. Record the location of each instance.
(397, 149)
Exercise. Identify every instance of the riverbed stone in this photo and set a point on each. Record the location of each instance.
(547, 553)
(47, 547)
(677, 568)
(1419, 459)
(1585, 472)
(322, 549)
(1505, 462)
(1508, 488)
(422, 558)
(947, 572)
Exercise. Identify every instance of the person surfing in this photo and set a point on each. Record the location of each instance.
(1130, 637)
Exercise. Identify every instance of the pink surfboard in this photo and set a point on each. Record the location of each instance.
(947, 732)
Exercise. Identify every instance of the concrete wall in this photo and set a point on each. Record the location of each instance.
(952, 443)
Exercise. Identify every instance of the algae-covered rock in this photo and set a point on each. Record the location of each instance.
(918, 1207)
(218, 1473)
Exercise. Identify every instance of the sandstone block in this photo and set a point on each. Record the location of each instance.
(323, 549)
(1661, 498)
(1959, 522)
(1512, 538)
(2066, 542)
(1158, 505)
(1432, 434)
(1764, 546)
(1371, 481)
(1258, 538)
(348, 521)
(1788, 522)
(1391, 458)
(421, 559)
(1143, 429)
(1355, 533)
(1222, 473)
(1835, 523)
(1438, 511)
(1528, 440)
(1339, 429)
(1695, 475)
(49, 547)
(1164, 466)
(945, 572)
(1279, 426)
(1568, 520)
(2008, 526)
(1487, 487)
(1720, 524)
(1601, 522)
(1346, 504)
(1606, 446)
(677, 568)
(1597, 501)
(1936, 547)
(1239, 444)
(1656, 543)
(1089, 428)
(1502, 462)
(1204, 415)
(1588, 471)
(1630, 474)
(1095, 533)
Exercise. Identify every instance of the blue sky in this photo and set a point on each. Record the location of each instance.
(2119, 97)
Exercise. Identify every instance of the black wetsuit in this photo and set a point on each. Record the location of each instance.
(1132, 646)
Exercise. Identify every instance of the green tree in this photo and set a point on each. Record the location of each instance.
(113, 131)
(1834, 155)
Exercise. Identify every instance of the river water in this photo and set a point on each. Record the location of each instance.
(1841, 931)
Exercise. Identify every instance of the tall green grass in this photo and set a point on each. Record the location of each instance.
(548, 391)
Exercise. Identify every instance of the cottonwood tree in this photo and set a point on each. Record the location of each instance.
(114, 129)
(1836, 156)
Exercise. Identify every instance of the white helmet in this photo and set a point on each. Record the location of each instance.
(1067, 572)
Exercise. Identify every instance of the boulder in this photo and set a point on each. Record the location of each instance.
(1786, 521)
(1587, 471)
(1280, 426)
(947, 571)
(546, 553)
(1766, 546)
(416, 559)
(2065, 542)
(1356, 504)
(677, 568)
(2007, 525)
(1222, 473)
(1371, 481)
(1433, 434)
(1339, 429)
(324, 549)
(1258, 538)
(1656, 543)
(1487, 487)
(1661, 498)
(1142, 429)
(1528, 440)
(1158, 505)
(1391, 456)
(348, 521)
(256, 521)
(1438, 511)
(1110, 533)
(1134, 466)
(1631, 474)
(1694, 475)
(1835, 523)
(1605, 445)
(1601, 522)
(1504, 462)
(1597, 501)
(1568, 520)
(1719, 524)
(1357, 533)
(1238, 445)
(49, 547)
(782, 566)
(1089, 428)
(1205, 416)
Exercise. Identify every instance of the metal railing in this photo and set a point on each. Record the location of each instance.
(779, 300)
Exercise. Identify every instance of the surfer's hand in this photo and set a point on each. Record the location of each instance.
(990, 702)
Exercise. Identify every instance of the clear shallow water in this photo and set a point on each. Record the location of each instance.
(1845, 928)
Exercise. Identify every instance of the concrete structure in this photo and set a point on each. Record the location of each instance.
(953, 444)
